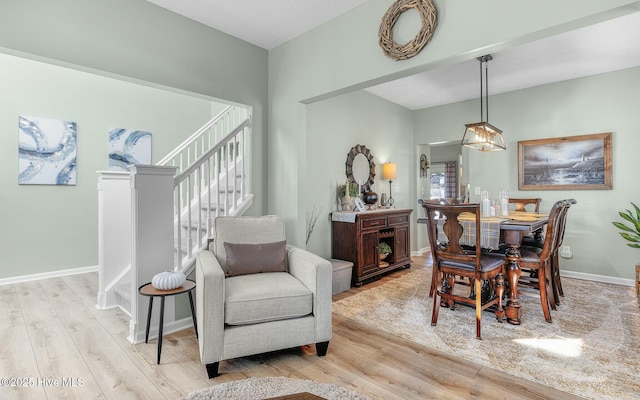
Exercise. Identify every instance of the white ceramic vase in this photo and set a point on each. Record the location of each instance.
(168, 280)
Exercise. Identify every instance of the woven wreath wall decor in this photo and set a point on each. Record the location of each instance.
(429, 19)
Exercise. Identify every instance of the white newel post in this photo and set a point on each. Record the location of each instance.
(114, 235)
(152, 189)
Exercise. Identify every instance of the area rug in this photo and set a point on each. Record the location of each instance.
(264, 388)
(592, 348)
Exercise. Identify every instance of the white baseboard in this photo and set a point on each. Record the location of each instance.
(169, 327)
(598, 278)
(421, 252)
(47, 275)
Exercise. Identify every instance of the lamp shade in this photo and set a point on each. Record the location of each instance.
(389, 171)
(483, 136)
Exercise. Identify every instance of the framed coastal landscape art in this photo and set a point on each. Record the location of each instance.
(580, 162)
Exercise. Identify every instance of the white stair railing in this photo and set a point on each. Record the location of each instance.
(201, 141)
(214, 185)
(211, 178)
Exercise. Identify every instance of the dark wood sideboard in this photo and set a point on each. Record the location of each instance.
(358, 241)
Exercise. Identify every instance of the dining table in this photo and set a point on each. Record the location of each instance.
(509, 230)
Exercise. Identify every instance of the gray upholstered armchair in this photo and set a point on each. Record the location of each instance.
(256, 294)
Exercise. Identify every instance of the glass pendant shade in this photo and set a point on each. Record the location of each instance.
(483, 136)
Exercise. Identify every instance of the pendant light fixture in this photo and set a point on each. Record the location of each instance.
(482, 135)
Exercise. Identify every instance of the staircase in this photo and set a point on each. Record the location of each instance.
(210, 181)
(155, 218)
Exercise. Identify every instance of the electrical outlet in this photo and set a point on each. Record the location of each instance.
(565, 252)
(477, 190)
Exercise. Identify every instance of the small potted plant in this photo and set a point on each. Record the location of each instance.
(347, 201)
(384, 250)
(630, 234)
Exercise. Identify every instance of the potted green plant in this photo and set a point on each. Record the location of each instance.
(353, 189)
(384, 250)
(347, 201)
(631, 234)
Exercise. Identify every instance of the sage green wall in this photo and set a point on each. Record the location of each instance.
(601, 103)
(48, 227)
(343, 55)
(134, 41)
(334, 127)
(139, 41)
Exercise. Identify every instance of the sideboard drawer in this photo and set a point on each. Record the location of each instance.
(374, 223)
(398, 219)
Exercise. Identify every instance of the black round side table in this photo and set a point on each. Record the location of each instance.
(148, 290)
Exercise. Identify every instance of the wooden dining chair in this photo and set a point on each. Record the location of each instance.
(424, 221)
(555, 259)
(537, 261)
(423, 203)
(521, 204)
(449, 200)
(451, 260)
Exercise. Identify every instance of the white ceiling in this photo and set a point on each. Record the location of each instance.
(604, 47)
(265, 23)
(599, 48)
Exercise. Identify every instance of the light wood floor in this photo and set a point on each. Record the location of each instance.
(50, 331)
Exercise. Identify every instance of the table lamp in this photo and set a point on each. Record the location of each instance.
(389, 173)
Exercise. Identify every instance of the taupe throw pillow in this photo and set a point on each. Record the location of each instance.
(244, 258)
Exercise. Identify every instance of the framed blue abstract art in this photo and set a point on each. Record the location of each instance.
(128, 147)
(46, 151)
